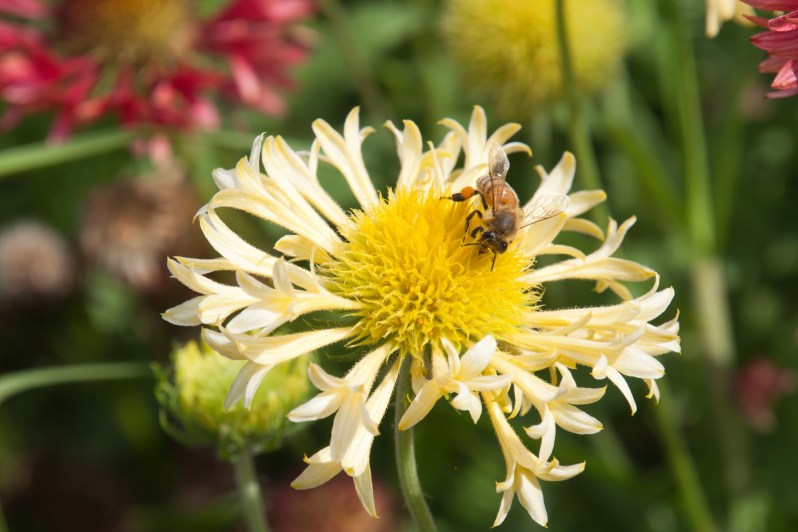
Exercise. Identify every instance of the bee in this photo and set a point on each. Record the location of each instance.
(500, 214)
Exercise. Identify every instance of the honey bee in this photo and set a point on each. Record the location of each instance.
(500, 214)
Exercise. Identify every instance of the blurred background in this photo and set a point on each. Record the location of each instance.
(115, 113)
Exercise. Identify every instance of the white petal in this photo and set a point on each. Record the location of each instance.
(252, 385)
(214, 309)
(545, 431)
(476, 359)
(221, 344)
(365, 492)
(574, 420)
(321, 468)
(185, 314)
(321, 406)
(346, 423)
(504, 507)
(559, 181)
(603, 370)
(276, 349)
(531, 497)
(256, 317)
(224, 178)
(250, 372)
(344, 153)
(465, 400)
(323, 380)
(422, 404)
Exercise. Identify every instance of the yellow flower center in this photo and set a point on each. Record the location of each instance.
(126, 31)
(510, 49)
(405, 262)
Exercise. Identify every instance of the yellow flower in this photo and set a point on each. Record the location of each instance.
(509, 49)
(407, 288)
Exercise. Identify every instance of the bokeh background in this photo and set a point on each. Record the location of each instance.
(88, 217)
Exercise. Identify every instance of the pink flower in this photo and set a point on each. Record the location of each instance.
(760, 384)
(781, 44)
(145, 61)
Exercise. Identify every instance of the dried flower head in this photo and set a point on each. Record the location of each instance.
(410, 293)
(36, 264)
(130, 226)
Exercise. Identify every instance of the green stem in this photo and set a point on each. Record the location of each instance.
(729, 149)
(249, 490)
(714, 321)
(579, 130)
(43, 154)
(681, 463)
(20, 381)
(708, 279)
(406, 459)
(362, 78)
(627, 124)
(700, 211)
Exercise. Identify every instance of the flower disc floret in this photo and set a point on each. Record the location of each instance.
(405, 262)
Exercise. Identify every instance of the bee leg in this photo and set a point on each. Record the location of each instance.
(465, 194)
(469, 217)
(477, 230)
(492, 264)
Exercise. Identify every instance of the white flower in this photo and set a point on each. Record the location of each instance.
(405, 289)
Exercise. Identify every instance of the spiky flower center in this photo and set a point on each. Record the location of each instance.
(405, 262)
(126, 31)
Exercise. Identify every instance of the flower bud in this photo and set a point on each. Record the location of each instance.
(192, 397)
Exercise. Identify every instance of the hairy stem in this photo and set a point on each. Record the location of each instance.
(249, 491)
(406, 459)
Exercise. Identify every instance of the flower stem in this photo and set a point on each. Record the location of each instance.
(579, 130)
(406, 459)
(682, 69)
(626, 122)
(249, 490)
(681, 463)
(43, 154)
(20, 381)
(708, 279)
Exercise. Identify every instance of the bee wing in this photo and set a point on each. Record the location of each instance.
(498, 165)
(545, 207)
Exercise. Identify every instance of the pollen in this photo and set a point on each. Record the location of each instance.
(407, 262)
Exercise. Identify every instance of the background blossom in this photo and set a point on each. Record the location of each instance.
(108, 58)
(781, 44)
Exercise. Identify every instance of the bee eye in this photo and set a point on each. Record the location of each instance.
(502, 246)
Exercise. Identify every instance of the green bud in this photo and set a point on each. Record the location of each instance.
(192, 395)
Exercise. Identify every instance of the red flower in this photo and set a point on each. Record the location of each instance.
(781, 44)
(147, 61)
(760, 384)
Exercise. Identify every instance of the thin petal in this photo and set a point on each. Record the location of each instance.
(421, 406)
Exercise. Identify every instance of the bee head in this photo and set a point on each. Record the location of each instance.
(492, 241)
